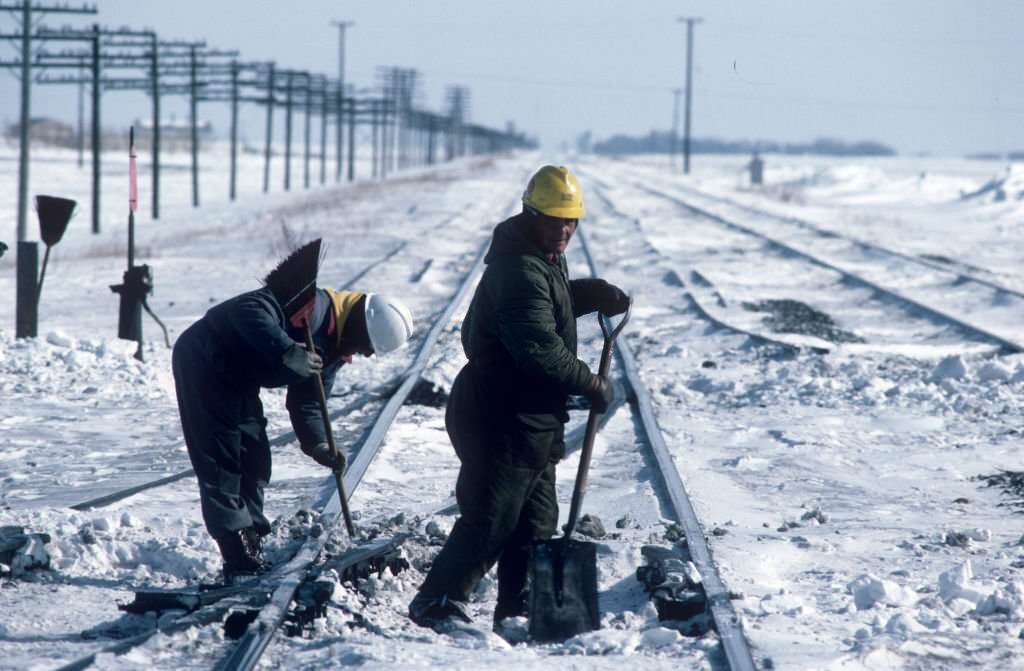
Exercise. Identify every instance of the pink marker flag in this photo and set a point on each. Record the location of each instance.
(133, 178)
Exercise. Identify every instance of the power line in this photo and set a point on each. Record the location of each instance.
(718, 93)
(860, 103)
(900, 40)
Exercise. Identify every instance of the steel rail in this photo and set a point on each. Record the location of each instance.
(704, 311)
(364, 399)
(259, 634)
(1005, 343)
(378, 392)
(243, 599)
(727, 622)
(246, 654)
(824, 232)
(291, 573)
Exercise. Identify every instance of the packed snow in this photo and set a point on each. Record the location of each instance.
(844, 495)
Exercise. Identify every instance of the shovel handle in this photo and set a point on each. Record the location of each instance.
(342, 496)
(610, 334)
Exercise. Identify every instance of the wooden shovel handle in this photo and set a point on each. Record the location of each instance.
(342, 496)
(610, 334)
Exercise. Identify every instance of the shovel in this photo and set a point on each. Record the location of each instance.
(562, 571)
(342, 496)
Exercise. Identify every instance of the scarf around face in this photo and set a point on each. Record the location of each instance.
(342, 303)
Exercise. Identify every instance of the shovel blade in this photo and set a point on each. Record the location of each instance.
(563, 590)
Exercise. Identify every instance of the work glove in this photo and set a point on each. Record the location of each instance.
(592, 294)
(321, 454)
(302, 362)
(600, 394)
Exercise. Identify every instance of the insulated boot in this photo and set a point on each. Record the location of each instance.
(241, 553)
(514, 606)
(438, 613)
(252, 540)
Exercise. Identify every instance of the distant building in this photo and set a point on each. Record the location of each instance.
(175, 134)
(44, 130)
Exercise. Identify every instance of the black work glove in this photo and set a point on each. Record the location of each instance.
(321, 454)
(302, 362)
(590, 294)
(600, 394)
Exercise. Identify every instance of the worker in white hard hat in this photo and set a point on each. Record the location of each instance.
(256, 340)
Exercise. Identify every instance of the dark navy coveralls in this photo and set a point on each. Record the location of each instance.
(220, 363)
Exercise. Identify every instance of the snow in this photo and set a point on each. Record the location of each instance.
(839, 492)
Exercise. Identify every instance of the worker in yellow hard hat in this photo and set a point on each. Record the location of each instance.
(507, 408)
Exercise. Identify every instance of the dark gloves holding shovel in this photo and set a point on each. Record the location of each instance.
(302, 362)
(591, 294)
(321, 454)
(600, 394)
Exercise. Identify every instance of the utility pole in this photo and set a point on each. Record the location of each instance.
(270, 127)
(234, 128)
(27, 290)
(154, 94)
(193, 113)
(351, 106)
(26, 118)
(309, 114)
(198, 64)
(28, 12)
(81, 120)
(97, 130)
(342, 26)
(288, 131)
(675, 126)
(109, 50)
(324, 116)
(689, 21)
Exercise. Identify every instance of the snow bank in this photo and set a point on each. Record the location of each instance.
(868, 590)
(950, 368)
(1006, 599)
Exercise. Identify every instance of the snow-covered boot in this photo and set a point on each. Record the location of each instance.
(438, 613)
(242, 554)
(252, 540)
(509, 606)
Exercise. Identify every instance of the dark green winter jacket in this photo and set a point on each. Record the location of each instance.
(520, 338)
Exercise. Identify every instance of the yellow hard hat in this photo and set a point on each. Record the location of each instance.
(555, 191)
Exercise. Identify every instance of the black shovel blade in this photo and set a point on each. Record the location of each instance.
(563, 590)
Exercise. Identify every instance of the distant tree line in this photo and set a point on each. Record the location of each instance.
(996, 156)
(660, 142)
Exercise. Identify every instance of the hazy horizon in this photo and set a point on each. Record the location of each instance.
(921, 77)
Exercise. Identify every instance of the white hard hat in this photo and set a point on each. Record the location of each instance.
(388, 323)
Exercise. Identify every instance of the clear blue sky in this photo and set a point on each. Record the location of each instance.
(940, 76)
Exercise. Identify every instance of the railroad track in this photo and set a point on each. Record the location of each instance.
(392, 393)
(951, 267)
(672, 495)
(666, 483)
(378, 393)
(694, 297)
(862, 271)
(727, 623)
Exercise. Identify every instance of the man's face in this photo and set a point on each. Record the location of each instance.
(553, 234)
(349, 349)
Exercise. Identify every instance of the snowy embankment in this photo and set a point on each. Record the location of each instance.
(849, 491)
(840, 493)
